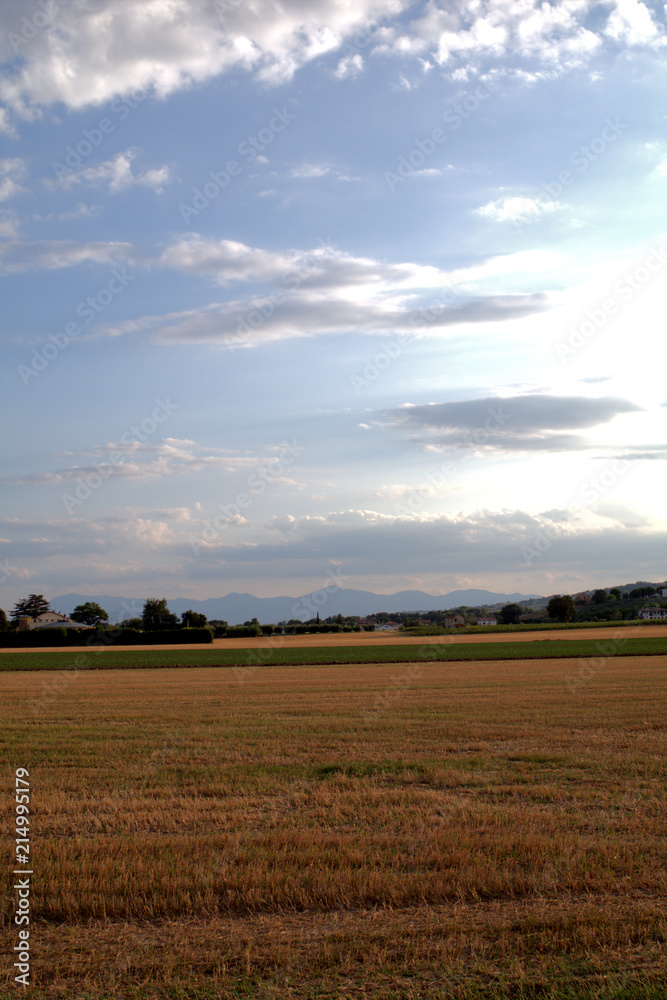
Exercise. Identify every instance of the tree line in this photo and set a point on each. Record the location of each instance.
(155, 617)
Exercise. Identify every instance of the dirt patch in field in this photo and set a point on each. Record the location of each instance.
(384, 639)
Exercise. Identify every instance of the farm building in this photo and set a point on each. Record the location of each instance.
(652, 613)
(49, 619)
(455, 621)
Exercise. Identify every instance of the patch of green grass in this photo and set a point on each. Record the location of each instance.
(245, 658)
(368, 769)
(530, 627)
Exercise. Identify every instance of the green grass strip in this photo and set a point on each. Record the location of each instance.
(108, 659)
(532, 627)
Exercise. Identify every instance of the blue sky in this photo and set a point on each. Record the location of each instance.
(372, 288)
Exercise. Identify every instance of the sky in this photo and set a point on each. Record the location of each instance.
(297, 291)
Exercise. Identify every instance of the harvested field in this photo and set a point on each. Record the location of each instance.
(465, 830)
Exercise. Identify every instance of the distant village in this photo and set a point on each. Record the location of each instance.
(643, 601)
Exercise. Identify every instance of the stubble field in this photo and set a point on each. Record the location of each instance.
(437, 829)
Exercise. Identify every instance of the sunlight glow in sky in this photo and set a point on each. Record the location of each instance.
(297, 286)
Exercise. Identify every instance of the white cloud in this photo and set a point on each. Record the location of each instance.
(481, 547)
(226, 260)
(12, 171)
(17, 256)
(117, 173)
(89, 54)
(465, 38)
(6, 125)
(516, 209)
(480, 544)
(9, 225)
(310, 170)
(80, 211)
(133, 459)
(630, 23)
(349, 67)
(310, 293)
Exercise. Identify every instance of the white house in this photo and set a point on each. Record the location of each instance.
(53, 619)
(388, 627)
(652, 613)
(487, 621)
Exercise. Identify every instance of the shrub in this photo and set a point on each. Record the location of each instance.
(242, 631)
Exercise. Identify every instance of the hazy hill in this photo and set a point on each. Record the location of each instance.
(235, 608)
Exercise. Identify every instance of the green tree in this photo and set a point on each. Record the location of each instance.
(3, 620)
(157, 616)
(31, 606)
(89, 613)
(642, 592)
(561, 607)
(193, 619)
(616, 593)
(136, 623)
(511, 614)
(599, 597)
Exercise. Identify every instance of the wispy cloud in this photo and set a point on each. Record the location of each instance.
(115, 174)
(517, 209)
(48, 255)
(313, 293)
(526, 423)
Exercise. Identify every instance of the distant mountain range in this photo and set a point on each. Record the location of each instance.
(236, 608)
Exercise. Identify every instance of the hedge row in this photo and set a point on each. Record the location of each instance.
(251, 631)
(531, 627)
(106, 637)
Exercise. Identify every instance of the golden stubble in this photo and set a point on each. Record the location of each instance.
(289, 823)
